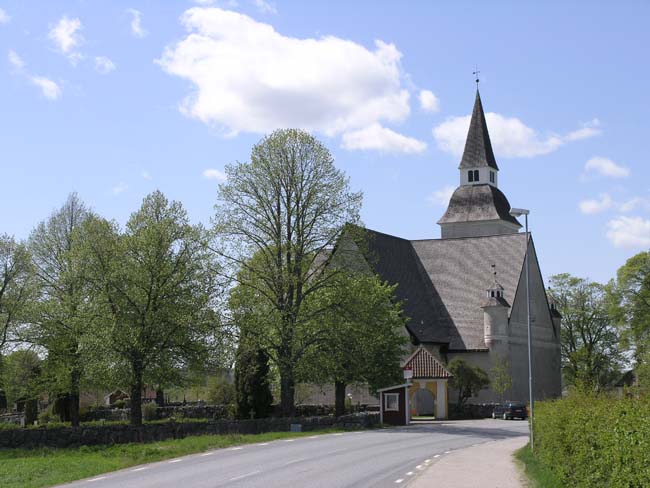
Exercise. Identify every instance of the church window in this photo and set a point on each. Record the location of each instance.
(491, 176)
(475, 175)
(470, 176)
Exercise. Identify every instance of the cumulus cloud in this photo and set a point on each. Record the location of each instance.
(428, 101)
(629, 232)
(214, 174)
(104, 65)
(594, 206)
(49, 88)
(265, 7)
(4, 17)
(136, 23)
(248, 77)
(510, 137)
(376, 137)
(66, 37)
(606, 167)
(441, 197)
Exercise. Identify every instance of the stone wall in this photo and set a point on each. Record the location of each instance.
(123, 434)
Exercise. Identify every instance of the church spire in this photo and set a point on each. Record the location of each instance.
(478, 148)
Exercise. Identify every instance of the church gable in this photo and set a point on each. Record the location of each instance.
(423, 364)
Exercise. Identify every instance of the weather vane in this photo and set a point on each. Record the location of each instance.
(476, 73)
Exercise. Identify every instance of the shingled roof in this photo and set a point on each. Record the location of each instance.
(442, 282)
(478, 148)
(473, 203)
(423, 364)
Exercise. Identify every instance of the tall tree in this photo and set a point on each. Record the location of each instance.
(589, 337)
(363, 339)
(156, 286)
(16, 289)
(21, 379)
(468, 380)
(286, 207)
(58, 320)
(500, 377)
(253, 395)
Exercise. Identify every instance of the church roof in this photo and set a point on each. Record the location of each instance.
(442, 282)
(478, 148)
(473, 203)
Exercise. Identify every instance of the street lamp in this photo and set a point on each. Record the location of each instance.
(518, 212)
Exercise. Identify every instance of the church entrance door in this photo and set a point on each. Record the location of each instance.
(424, 402)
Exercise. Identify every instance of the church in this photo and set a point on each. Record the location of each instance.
(465, 293)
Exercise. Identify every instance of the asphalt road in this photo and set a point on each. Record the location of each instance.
(378, 458)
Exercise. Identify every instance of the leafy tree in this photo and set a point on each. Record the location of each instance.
(468, 380)
(21, 377)
(364, 337)
(252, 389)
(220, 391)
(59, 322)
(631, 309)
(155, 288)
(589, 337)
(15, 287)
(286, 207)
(500, 377)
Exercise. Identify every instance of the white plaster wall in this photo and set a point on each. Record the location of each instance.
(483, 175)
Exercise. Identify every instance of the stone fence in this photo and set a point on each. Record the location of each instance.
(92, 435)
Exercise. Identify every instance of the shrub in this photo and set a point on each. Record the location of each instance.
(593, 441)
(149, 411)
(45, 417)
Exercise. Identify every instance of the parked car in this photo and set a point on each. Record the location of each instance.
(510, 410)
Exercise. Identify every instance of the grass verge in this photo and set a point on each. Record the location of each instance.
(538, 474)
(23, 468)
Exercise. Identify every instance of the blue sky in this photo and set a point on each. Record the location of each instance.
(115, 99)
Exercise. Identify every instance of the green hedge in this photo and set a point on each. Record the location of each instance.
(590, 441)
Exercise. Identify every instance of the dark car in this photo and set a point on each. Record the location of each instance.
(510, 410)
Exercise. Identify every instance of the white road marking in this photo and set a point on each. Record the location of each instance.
(313, 437)
(427, 460)
(244, 476)
(97, 479)
(263, 444)
(410, 473)
(399, 481)
(174, 461)
(437, 456)
(294, 461)
(340, 433)
(138, 469)
(419, 466)
(235, 449)
(289, 440)
(447, 452)
(207, 453)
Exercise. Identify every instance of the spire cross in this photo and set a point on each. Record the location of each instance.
(476, 73)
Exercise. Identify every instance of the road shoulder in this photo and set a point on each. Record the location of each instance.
(489, 465)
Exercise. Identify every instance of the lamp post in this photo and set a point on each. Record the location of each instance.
(518, 212)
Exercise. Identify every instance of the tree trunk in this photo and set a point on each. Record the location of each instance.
(136, 398)
(75, 380)
(160, 397)
(287, 391)
(339, 395)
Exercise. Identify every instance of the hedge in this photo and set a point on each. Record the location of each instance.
(595, 441)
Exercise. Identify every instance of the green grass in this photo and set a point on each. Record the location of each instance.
(22, 468)
(538, 474)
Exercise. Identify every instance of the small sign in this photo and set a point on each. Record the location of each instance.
(408, 373)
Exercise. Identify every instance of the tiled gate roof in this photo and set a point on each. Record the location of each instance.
(425, 365)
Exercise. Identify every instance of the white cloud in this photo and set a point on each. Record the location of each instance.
(376, 137)
(265, 7)
(510, 137)
(634, 203)
(15, 60)
(121, 187)
(146, 175)
(250, 78)
(136, 23)
(214, 174)
(4, 17)
(594, 206)
(66, 37)
(606, 167)
(629, 232)
(49, 88)
(441, 197)
(428, 101)
(104, 65)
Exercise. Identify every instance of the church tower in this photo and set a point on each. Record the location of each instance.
(477, 207)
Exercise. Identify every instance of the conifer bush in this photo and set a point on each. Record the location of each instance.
(593, 441)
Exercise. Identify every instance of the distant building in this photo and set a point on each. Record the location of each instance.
(465, 293)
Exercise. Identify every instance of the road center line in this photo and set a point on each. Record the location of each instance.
(138, 469)
(244, 476)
